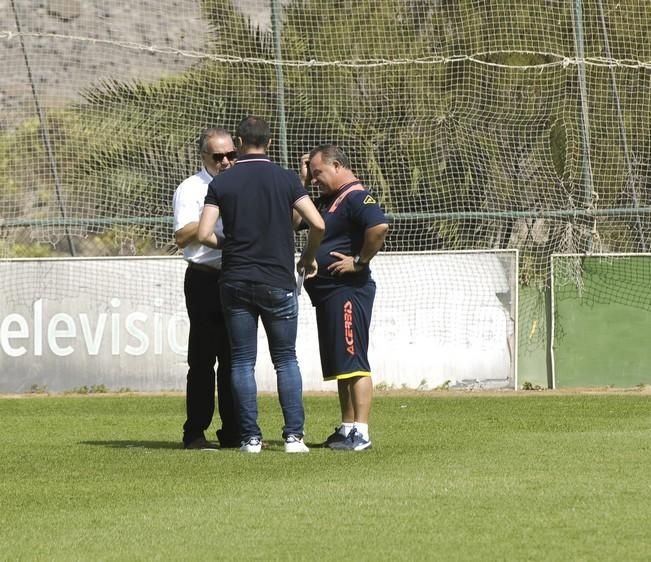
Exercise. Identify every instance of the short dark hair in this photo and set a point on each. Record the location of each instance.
(330, 153)
(254, 131)
(209, 133)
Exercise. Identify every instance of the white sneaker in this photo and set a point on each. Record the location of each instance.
(252, 445)
(294, 444)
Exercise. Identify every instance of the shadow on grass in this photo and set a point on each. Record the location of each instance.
(272, 444)
(130, 444)
(279, 444)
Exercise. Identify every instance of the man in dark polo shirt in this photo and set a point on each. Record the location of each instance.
(343, 290)
(256, 199)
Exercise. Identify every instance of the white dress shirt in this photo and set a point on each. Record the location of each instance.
(187, 205)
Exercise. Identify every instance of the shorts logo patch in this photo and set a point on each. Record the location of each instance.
(348, 327)
(368, 200)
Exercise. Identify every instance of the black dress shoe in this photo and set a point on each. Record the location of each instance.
(200, 444)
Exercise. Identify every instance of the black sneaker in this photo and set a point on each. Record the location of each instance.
(333, 439)
(227, 441)
(353, 442)
(200, 444)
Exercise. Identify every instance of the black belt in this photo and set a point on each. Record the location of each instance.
(202, 267)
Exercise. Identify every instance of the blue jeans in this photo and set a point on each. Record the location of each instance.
(243, 304)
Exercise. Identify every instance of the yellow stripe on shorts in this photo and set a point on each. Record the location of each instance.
(348, 375)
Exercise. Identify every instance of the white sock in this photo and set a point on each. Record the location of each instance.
(363, 429)
(345, 428)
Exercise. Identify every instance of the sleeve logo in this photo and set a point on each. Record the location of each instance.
(368, 200)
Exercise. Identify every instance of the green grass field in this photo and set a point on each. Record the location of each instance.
(526, 476)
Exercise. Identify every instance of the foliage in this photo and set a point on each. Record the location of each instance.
(24, 190)
(34, 250)
(526, 385)
(92, 389)
(38, 389)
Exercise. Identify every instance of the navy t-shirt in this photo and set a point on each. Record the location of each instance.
(255, 199)
(348, 213)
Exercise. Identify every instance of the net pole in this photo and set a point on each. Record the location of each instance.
(577, 16)
(622, 127)
(550, 327)
(280, 80)
(44, 131)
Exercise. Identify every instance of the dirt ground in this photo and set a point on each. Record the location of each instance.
(642, 390)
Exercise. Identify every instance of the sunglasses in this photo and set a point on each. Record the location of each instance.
(219, 156)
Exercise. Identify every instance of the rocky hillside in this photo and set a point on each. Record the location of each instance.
(72, 44)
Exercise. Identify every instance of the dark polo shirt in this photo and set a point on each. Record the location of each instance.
(348, 213)
(255, 199)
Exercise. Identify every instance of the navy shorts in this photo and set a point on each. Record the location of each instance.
(343, 322)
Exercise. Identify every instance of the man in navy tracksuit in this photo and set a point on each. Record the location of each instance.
(343, 290)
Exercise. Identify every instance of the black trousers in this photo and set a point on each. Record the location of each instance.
(208, 341)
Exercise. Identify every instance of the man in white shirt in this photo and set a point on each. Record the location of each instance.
(208, 337)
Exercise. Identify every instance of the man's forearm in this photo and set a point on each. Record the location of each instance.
(186, 235)
(314, 237)
(206, 230)
(212, 241)
(373, 242)
(309, 213)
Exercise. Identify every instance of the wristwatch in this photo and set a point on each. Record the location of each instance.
(357, 260)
